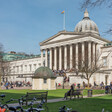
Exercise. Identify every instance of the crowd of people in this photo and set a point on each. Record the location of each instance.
(11, 84)
(61, 73)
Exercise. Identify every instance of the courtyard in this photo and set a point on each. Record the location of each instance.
(55, 100)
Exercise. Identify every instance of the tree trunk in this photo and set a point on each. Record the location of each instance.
(88, 82)
(0, 81)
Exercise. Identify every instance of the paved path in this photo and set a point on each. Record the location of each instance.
(58, 100)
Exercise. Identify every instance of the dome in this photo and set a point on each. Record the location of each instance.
(87, 25)
(44, 72)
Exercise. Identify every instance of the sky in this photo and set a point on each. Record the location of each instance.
(26, 23)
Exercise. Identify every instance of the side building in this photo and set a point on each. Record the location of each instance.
(21, 68)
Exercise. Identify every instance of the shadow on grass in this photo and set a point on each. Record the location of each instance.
(16, 94)
(95, 104)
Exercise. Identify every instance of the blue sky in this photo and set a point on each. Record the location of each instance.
(25, 23)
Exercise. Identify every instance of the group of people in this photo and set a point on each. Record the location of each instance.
(61, 73)
(11, 84)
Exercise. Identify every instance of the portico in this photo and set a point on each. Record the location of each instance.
(67, 49)
(67, 55)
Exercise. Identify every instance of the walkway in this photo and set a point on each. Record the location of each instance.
(58, 100)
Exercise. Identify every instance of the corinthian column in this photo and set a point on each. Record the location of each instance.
(76, 56)
(55, 58)
(83, 52)
(71, 55)
(89, 53)
(51, 58)
(65, 57)
(93, 51)
(60, 57)
(42, 58)
(46, 57)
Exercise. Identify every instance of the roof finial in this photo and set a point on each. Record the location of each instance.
(86, 14)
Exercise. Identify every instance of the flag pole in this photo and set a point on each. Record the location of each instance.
(64, 20)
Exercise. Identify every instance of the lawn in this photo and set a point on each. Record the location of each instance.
(59, 93)
(95, 104)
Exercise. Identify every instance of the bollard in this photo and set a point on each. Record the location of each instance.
(90, 92)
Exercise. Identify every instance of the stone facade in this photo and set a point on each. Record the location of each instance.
(39, 84)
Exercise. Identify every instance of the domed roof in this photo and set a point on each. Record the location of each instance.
(44, 72)
(87, 25)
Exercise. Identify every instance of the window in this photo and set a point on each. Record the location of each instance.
(45, 80)
(13, 69)
(25, 67)
(90, 27)
(21, 68)
(104, 61)
(80, 29)
(34, 66)
(39, 64)
(17, 68)
(86, 27)
(30, 66)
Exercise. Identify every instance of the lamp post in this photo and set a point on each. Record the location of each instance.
(63, 74)
(63, 82)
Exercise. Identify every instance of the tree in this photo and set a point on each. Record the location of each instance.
(97, 3)
(88, 66)
(1, 62)
(4, 65)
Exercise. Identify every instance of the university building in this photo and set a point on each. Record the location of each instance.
(63, 50)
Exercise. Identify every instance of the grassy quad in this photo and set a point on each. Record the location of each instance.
(52, 94)
(95, 104)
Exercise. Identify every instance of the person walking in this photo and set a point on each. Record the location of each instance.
(7, 85)
(111, 87)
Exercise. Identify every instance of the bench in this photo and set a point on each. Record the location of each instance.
(78, 93)
(69, 93)
(38, 95)
(74, 93)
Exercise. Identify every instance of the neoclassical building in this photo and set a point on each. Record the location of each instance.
(65, 49)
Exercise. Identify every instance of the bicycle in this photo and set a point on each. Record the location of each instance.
(64, 109)
(19, 108)
(4, 107)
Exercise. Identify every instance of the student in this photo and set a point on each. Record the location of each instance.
(111, 87)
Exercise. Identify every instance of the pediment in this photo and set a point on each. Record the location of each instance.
(69, 36)
(59, 37)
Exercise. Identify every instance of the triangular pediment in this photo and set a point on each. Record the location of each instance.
(64, 36)
(60, 36)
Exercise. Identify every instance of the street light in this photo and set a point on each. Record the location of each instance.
(63, 74)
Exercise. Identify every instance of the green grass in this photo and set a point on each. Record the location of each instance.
(52, 94)
(95, 104)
